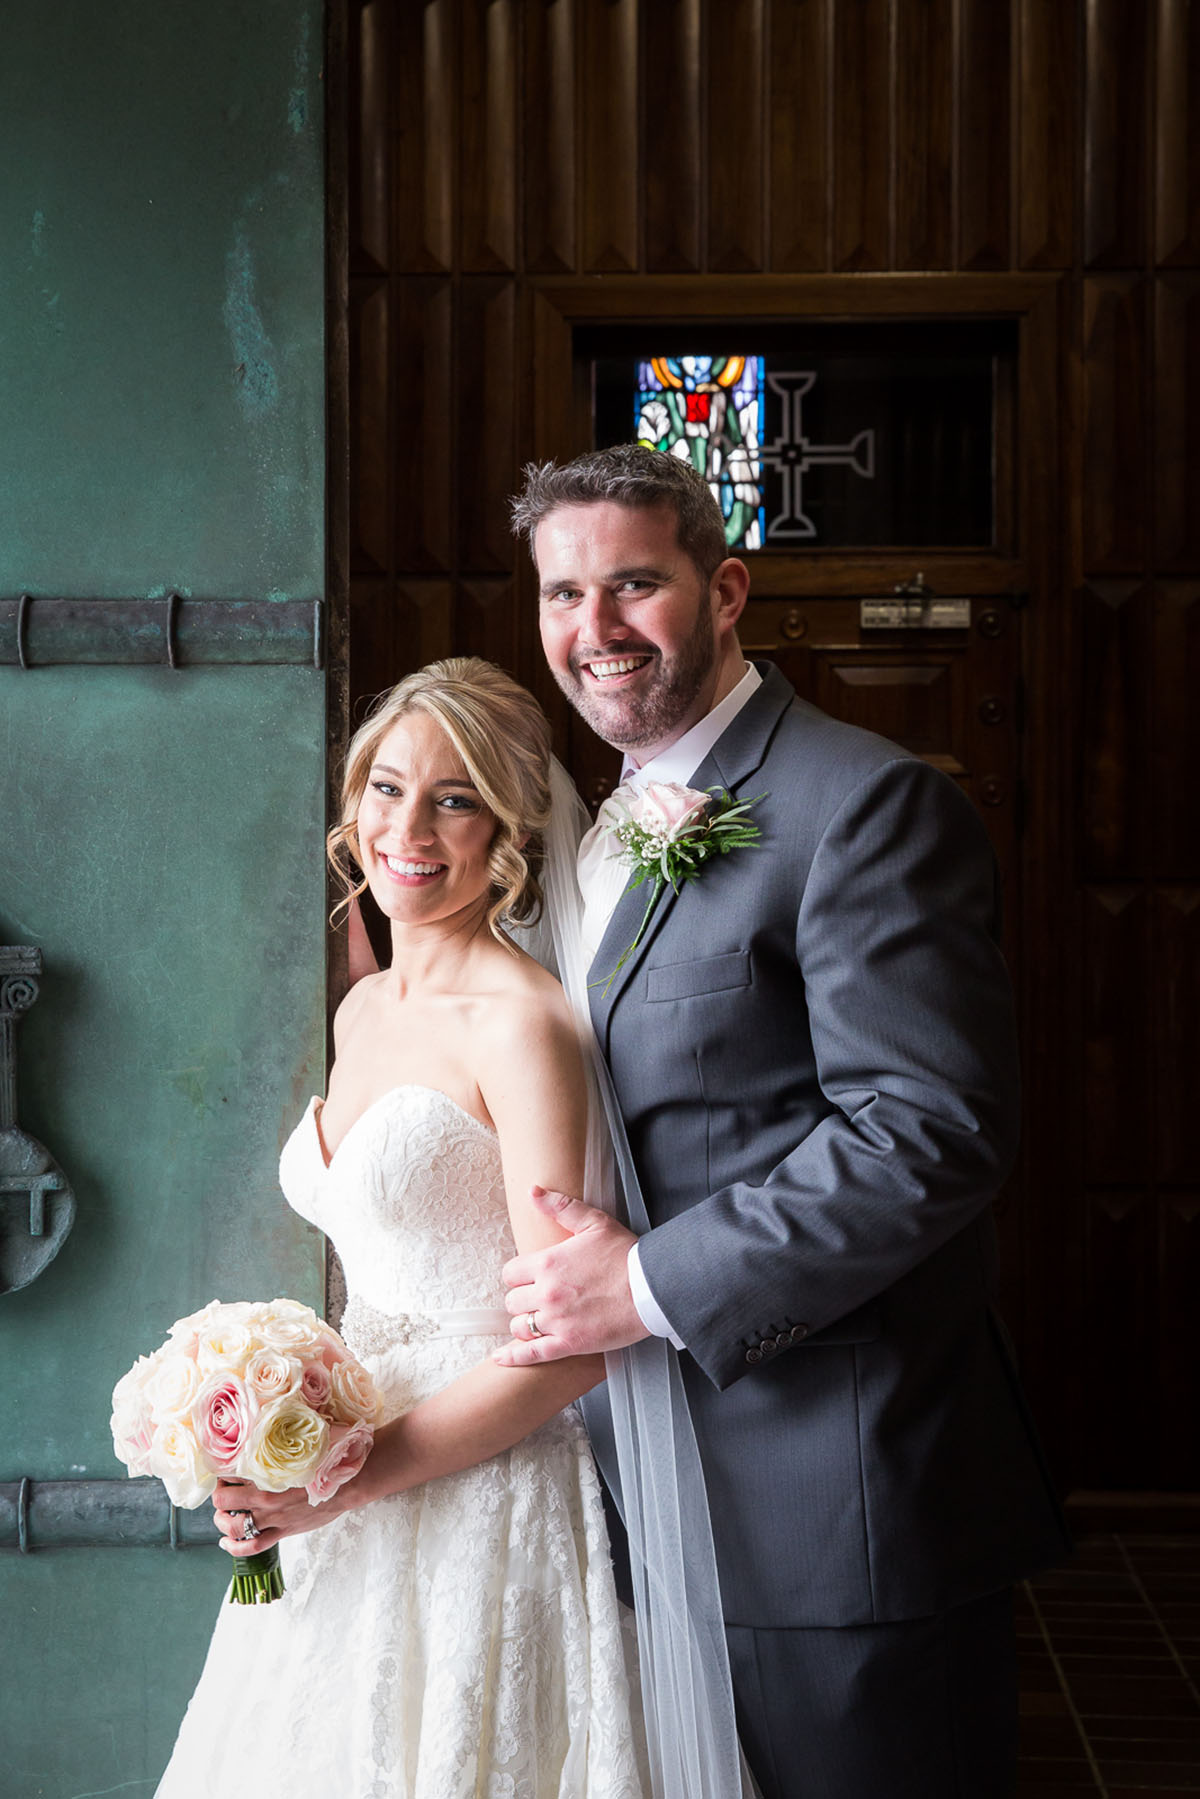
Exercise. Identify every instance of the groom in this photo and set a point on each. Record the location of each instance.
(812, 1046)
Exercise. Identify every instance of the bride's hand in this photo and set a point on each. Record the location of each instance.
(277, 1515)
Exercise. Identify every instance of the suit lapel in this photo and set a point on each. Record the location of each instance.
(738, 752)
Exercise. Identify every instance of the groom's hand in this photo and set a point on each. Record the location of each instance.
(577, 1291)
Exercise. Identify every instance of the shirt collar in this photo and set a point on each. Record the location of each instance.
(680, 760)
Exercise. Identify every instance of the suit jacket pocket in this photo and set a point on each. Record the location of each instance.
(697, 979)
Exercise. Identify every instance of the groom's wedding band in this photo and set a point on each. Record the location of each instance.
(249, 1527)
(534, 1327)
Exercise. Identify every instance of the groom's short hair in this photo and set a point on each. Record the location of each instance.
(628, 475)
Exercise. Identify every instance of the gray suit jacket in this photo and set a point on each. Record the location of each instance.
(814, 1054)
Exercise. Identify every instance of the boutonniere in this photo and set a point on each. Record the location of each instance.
(668, 832)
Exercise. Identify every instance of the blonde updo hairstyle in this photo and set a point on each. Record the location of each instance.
(503, 738)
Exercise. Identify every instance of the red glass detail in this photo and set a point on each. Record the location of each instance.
(697, 408)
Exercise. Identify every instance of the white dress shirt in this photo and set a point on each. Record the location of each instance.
(603, 878)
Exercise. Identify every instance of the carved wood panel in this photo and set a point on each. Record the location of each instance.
(779, 157)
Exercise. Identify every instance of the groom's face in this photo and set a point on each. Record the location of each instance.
(627, 623)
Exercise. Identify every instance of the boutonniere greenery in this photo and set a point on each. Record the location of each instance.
(668, 832)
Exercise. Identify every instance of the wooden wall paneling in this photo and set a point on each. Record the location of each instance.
(423, 614)
(924, 130)
(983, 137)
(487, 207)
(1046, 147)
(1176, 1032)
(1114, 817)
(1177, 421)
(369, 184)
(800, 201)
(610, 140)
(372, 634)
(1176, 727)
(1115, 197)
(549, 116)
(1115, 487)
(1177, 134)
(485, 622)
(421, 471)
(1116, 1035)
(423, 80)
(1120, 1417)
(1178, 1371)
(671, 168)
(918, 700)
(485, 459)
(862, 134)
(370, 462)
(737, 184)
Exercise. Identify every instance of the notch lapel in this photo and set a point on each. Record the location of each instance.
(738, 752)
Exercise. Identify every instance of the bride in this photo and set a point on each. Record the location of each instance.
(449, 1625)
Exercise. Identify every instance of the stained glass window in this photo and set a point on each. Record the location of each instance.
(825, 435)
(708, 410)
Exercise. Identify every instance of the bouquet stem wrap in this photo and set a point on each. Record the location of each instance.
(257, 1579)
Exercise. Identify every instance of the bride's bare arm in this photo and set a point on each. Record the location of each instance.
(531, 1080)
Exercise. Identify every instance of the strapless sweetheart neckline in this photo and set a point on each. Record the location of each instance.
(317, 1104)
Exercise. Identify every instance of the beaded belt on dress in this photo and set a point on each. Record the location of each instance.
(364, 1328)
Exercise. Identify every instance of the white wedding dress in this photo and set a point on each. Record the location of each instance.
(460, 1640)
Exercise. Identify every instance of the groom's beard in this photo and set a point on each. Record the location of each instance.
(661, 697)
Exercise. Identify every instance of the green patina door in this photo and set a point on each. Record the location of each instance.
(162, 398)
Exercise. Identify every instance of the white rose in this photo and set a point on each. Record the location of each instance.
(172, 1387)
(286, 1325)
(286, 1446)
(224, 1346)
(178, 1461)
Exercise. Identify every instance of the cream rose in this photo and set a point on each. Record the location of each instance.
(179, 1462)
(353, 1396)
(273, 1375)
(288, 1441)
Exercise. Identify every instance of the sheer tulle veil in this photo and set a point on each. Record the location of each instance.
(688, 1699)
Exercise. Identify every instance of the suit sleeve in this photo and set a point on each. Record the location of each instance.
(912, 1033)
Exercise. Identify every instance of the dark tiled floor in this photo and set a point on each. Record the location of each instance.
(1110, 1672)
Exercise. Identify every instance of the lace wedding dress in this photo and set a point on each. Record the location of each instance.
(460, 1640)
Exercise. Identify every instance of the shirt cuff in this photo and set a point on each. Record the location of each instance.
(645, 1304)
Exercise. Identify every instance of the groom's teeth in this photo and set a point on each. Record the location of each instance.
(411, 868)
(622, 666)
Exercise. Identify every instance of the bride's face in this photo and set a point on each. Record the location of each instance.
(423, 831)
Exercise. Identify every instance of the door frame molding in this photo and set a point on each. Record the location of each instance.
(557, 426)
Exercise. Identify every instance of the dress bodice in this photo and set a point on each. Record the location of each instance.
(412, 1199)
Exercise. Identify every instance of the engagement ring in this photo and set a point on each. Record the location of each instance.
(249, 1527)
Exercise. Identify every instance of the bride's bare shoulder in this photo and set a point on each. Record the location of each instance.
(358, 1002)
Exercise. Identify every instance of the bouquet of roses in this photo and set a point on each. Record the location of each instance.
(265, 1393)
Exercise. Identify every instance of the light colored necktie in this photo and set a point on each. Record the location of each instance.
(603, 877)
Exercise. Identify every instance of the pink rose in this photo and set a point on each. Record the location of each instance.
(349, 1447)
(224, 1412)
(315, 1383)
(666, 809)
